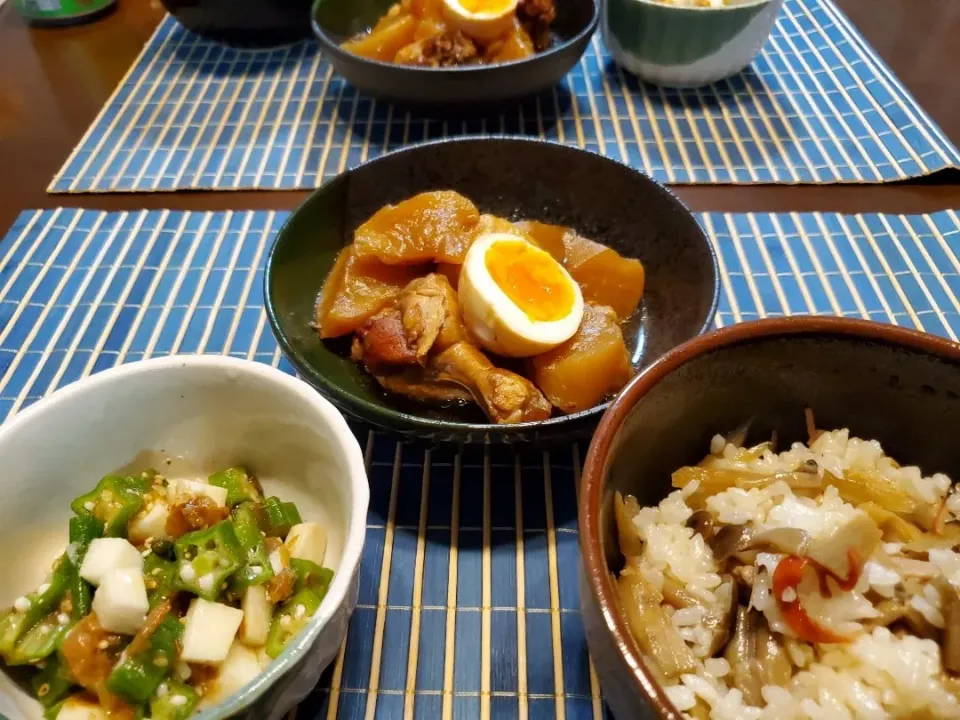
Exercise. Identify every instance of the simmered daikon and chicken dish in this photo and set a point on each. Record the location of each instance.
(449, 306)
(171, 595)
(449, 33)
(818, 582)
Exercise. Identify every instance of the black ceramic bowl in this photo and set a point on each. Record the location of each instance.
(891, 384)
(513, 178)
(244, 23)
(337, 20)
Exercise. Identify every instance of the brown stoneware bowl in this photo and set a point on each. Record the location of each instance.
(899, 386)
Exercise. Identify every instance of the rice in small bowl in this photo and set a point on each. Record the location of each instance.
(783, 585)
(794, 566)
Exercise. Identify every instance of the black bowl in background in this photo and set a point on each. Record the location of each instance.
(514, 178)
(245, 23)
(337, 20)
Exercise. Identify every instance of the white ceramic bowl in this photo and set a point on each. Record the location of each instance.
(202, 413)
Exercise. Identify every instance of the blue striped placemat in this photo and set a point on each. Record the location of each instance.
(817, 106)
(468, 588)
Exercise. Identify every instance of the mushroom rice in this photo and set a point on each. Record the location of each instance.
(819, 582)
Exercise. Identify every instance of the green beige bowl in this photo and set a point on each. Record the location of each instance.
(680, 46)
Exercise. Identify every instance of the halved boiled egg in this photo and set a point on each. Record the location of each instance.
(482, 20)
(515, 298)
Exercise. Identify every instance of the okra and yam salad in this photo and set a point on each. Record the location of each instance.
(171, 595)
(817, 582)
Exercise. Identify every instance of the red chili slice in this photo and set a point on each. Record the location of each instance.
(787, 576)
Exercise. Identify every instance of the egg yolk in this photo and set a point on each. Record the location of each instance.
(492, 7)
(532, 280)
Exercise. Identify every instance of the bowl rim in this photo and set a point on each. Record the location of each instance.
(594, 567)
(709, 9)
(343, 437)
(333, 48)
(390, 417)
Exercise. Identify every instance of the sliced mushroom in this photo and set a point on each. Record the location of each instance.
(717, 617)
(704, 524)
(775, 665)
(730, 540)
(734, 539)
(951, 628)
(625, 510)
(741, 653)
(652, 629)
(756, 656)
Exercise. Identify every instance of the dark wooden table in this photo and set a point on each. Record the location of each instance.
(53, 83)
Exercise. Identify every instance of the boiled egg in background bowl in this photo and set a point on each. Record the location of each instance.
(515, 298)
(480, 19)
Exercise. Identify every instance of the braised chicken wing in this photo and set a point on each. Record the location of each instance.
(418, 347)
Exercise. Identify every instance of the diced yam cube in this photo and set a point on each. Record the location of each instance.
(240, 667)
(79, 708)
(121, 601)
(257, 614)
(209, 631)
(180, 490)
(106, 554)
(150, 523)
(307, 541)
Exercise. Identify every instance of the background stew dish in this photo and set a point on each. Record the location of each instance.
(450, 306)
(450, 33)
(172, 595)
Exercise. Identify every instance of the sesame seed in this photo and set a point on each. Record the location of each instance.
(178, 700)
(43, 588)
(161, 662)
(63, 619)
(103, 644)
(285, 621)
(42, 664)
(89, 506)
(300, 611)
(156, 571)
(183, 670)
(163, 690)
(22, 604)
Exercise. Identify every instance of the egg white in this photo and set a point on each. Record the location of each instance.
(483, 26)
(498, 324)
